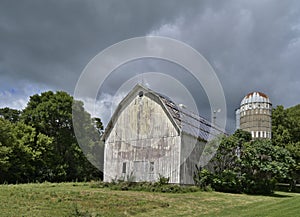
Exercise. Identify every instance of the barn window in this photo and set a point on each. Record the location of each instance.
(141, 93)
(151, 169)
(124, 167)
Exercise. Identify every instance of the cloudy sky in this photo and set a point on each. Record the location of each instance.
(252, 45)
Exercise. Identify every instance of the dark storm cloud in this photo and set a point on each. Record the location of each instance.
(46, 44)
(52, 41)
(252, 45)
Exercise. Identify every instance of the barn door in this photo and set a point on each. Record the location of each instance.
(141, 170)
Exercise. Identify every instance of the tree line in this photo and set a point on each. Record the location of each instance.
(38, 143)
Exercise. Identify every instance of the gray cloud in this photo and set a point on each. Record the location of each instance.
(51, 41)
(252, 45)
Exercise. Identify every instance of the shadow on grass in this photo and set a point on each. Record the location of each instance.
(279, 195)
(276, 195)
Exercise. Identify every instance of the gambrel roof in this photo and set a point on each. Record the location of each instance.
(183, 120)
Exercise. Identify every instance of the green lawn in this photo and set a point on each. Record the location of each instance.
(79, 199)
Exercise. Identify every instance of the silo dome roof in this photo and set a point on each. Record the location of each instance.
(255, 97)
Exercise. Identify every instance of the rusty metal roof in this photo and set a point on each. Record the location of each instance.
(190, 122)
(255, 97)
(258, 93)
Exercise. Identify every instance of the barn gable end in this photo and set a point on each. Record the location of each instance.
(142, 139)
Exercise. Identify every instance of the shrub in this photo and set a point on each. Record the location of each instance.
(227, 181)
(259, 186)
(160, 186)
(202, 178)
(162, 180)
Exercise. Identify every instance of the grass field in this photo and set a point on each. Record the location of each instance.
(79, 199)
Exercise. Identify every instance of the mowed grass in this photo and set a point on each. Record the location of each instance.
(79, 199)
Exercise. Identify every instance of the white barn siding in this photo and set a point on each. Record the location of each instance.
(146, 140)
(191, 150)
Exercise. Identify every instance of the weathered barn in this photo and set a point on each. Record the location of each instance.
(149, 135)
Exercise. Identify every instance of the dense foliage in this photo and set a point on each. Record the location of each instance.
(23, 152)
(38, 143)
(254, 166)
(245, 165)
(286, 133)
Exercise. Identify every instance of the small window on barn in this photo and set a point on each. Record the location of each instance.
(151, 169)
(124, 167)
(141, 94)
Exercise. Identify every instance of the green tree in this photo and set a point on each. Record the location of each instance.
(286, 125)
(294, 118)
(22, 152)
(30, 152)
(6, 148)
(88, 133)
(228, 152)
(226, 162)
(286, 133)
(245, 165)
(9, 114)
(51, 114)
(294, 149)
(262, 164)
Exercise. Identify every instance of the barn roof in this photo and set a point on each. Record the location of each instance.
(190, 122)
(183, 120)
